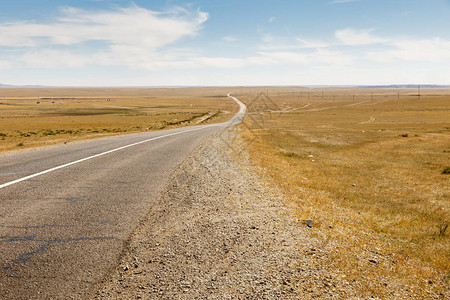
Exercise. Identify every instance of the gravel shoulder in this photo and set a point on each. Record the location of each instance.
(216, 232)
(221, 231)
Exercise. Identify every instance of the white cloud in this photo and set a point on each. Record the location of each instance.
(427, 50)
(53, 58)
(131, 36)
(126, 26)
(138, 38)
(5, 65)
(220, 62)
(297, 44)
(271, 19)
(391, 49)
(312, 44)
(279, 47)
(388, 49)
(229, 38)
(353, 37)
(333, 58)
(261, 60)
(266, 37)
(320, 56)
(286, 57)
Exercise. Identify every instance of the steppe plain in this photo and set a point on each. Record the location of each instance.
(363, 172)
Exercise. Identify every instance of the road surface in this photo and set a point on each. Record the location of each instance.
(67, 211)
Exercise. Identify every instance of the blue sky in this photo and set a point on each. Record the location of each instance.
(226, 42)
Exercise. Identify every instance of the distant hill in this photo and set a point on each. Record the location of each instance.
(392, 86)
(18, 86)
(406, 86)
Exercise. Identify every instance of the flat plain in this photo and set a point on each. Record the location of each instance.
(366, 170)
(369, 168)
(31, 117)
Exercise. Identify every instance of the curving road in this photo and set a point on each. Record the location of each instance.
(67, 211)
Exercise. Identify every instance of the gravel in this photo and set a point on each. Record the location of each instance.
(217, 232)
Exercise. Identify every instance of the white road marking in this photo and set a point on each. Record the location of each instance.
(97, 155)
(238, 116)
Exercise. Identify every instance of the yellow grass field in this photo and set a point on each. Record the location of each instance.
(32, 117)
(370, 169)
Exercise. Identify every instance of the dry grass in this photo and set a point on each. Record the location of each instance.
(65, 115)
(369, 173)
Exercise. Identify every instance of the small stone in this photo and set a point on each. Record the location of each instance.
(354, 184)
(308, 223)
(373, 261)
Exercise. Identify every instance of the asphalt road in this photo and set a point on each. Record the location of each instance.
(67, 211)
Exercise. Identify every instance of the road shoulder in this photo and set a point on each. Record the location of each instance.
(216, 232)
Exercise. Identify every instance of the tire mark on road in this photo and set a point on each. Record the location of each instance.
(27, 256)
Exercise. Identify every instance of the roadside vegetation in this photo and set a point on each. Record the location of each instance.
(33, 117)
(369, 168)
